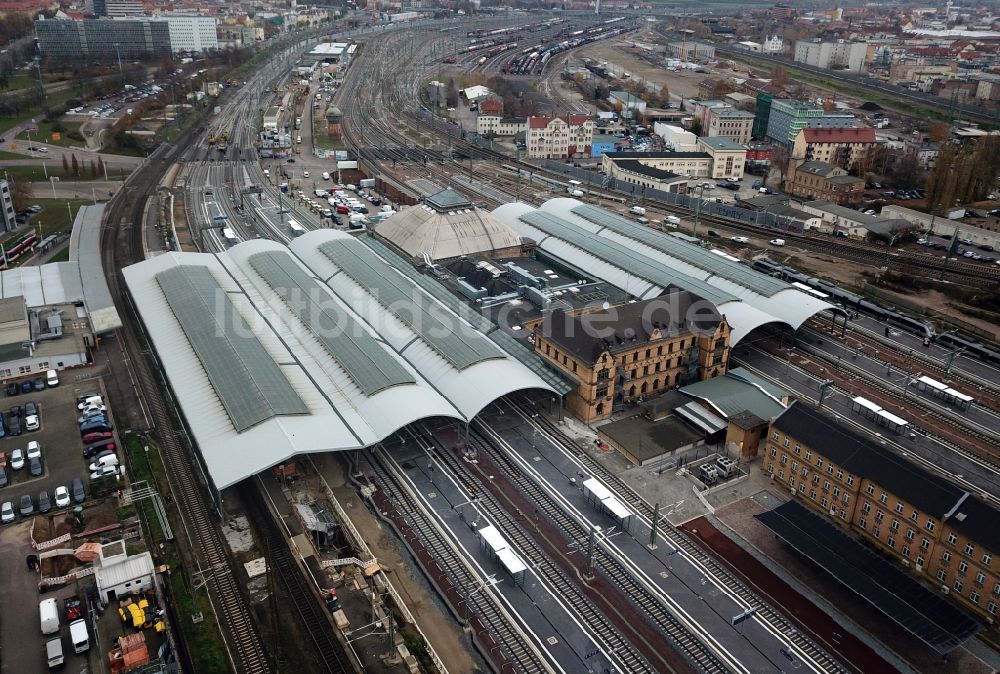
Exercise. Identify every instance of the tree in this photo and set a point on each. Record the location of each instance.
(939, 132)
(663, 98)
(779, 76)
(21, 192)
(695, 127)
(76, 165)
(780, 154)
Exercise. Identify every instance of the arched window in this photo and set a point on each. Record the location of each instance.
(599, 409)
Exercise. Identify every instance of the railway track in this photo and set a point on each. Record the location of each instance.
(281, 563)
(498, 639)
(122, 244)
(559, 579)
(985, 391)
(985, 450)
(654, 610)
(798, 641)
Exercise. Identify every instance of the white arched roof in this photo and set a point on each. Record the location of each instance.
(330, 409)
(747, 298)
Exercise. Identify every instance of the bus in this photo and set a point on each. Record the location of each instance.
(296, 228)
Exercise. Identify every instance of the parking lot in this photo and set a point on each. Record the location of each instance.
(21, 639)
(58, 436)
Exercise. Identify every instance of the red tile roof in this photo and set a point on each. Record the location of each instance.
(854, 135)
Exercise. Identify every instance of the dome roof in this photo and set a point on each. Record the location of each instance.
(446, 226)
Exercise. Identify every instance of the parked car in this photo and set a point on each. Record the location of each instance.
(35, 468)
(105, 472)
(27, 387)
(92, 413)
(13, 389)
(27, 506)
(84, 397)
(13, 425)
(31, 422)
(34, 449)
(104, 460)
(61, 496)
(79, 495)
(91, 438)
(17, 459)
(740, 239)
(44, 504)
(31, 407)
(16, 411)
(96, 449)
(4, 480)
(90, 401)
(96, 426)
(38, 384)
(777, 242)
(7, 512)
(712, 232)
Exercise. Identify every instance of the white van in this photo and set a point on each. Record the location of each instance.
(79, 636)
(326, 175)
(672, 220)
(109, 460)
(777, 242)
(54, 653)
(637, 210)
(48, 612)
(52, 378)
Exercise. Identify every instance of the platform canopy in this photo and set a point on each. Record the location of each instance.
(645, 262)
(273, 351)
(925, 614)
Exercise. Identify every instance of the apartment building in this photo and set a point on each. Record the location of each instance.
(126, 38)
(559, 137)
(728, 122)
(729, 158)
(936, 529)
(821, 180)
(500, 126)
(8, 221)
(624, 354)
(839, 55)
(191, 33)
(841, 147)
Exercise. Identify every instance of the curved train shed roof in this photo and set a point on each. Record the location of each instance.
(645, 262)
(274, 351)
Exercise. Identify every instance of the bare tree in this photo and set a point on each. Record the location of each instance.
(21, 192)
(780, 154)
